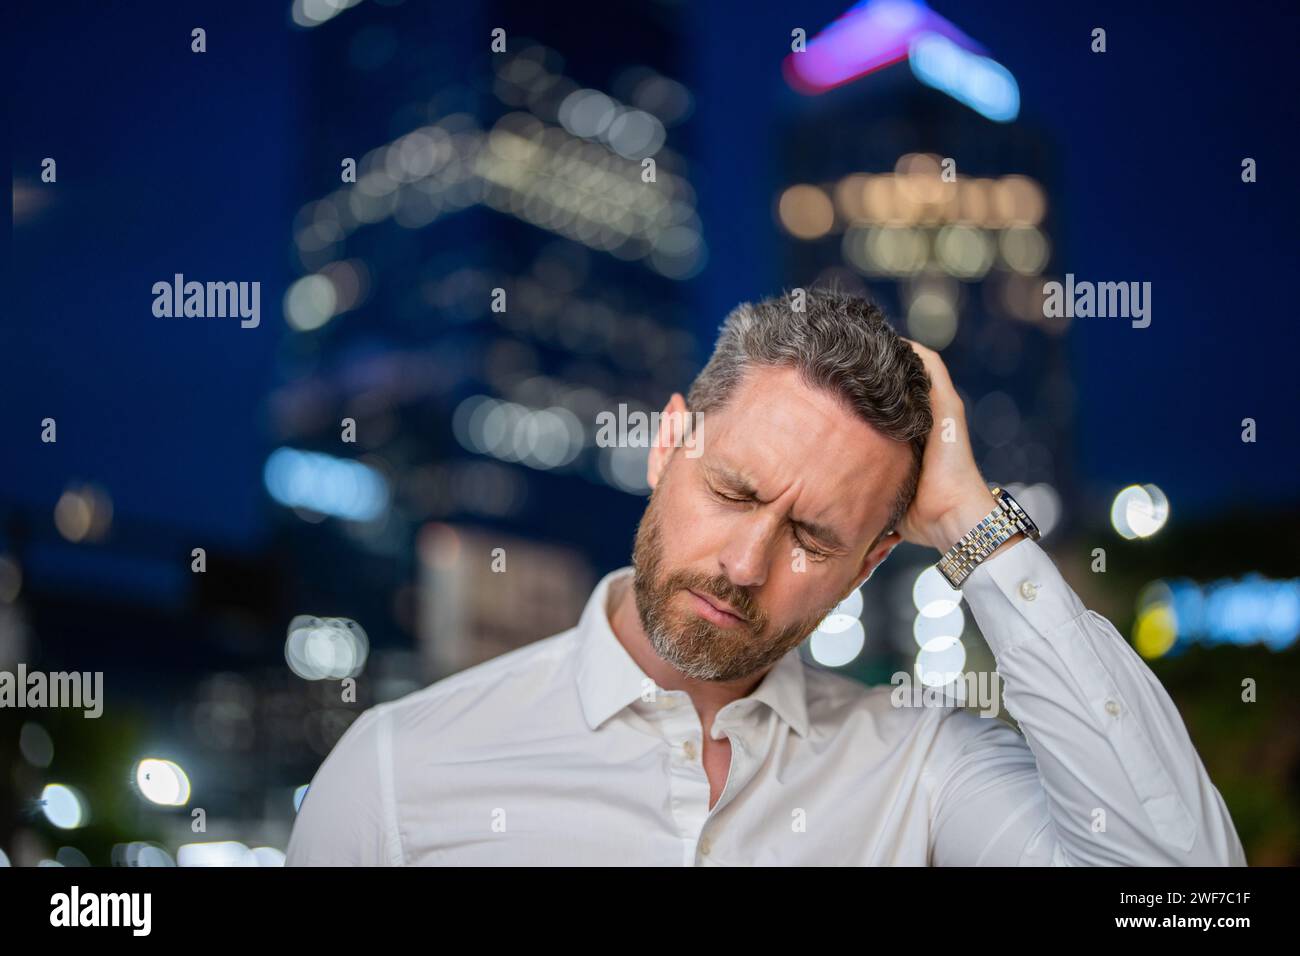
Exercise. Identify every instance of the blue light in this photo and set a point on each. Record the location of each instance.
(984, 85)
(331, 486)
(1254, 610)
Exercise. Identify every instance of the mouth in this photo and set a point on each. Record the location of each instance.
(711, 609)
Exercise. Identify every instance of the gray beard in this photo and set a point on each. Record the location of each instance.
(700, 649)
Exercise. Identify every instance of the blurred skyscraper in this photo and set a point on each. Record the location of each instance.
(511, 258)
(906, 178)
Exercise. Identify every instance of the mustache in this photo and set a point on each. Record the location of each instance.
(740, 602)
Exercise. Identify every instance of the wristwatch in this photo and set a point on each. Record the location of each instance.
(1000, 524)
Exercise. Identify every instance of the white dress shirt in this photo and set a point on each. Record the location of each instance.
(551, 755)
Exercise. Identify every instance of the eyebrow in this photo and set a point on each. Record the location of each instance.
(739, 483)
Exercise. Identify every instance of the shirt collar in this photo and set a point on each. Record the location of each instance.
(609, 680)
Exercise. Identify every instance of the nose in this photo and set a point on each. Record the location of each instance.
(745, 556)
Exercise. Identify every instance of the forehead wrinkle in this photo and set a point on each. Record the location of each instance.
(773, 396)
(739, 481)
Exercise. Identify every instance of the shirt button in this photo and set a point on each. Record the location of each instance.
(705, 846)
(1028, 590)
(689, 747)
(1112, 708)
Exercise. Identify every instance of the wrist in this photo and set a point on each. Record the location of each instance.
(960, 518)
(1000, 529)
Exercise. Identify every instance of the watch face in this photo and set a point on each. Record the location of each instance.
(1018, 514)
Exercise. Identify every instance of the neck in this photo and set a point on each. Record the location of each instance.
(708, 696)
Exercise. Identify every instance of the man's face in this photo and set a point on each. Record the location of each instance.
(815, 486)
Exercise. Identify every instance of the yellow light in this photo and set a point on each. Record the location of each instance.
(72, 515)
(806, 212)
(83, 513)
(878, 198)
(1019, 200)
(973, 201)
(850, 193)
(919, 178)
(1155, 631)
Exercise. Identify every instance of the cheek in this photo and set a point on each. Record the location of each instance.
(795, 597)
(784, 595)
(693, 530)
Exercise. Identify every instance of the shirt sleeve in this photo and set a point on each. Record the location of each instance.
(1105, 773)
(347, 817)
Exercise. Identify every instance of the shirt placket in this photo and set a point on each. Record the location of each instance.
(688, 784)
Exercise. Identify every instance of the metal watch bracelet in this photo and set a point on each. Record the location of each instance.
(1002, 523)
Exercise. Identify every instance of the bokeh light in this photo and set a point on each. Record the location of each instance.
(64, 806)
(1139, 511)
(932, 595)
(162, 782)
(940, 661)
(328, 648)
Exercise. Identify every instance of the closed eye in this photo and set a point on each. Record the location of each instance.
(812, 552)
(720, 495)
(815, 553)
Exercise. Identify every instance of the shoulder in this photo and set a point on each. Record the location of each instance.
(835, 700)
(351, 808)
(892, 713)
(508, 683)
(511, 684)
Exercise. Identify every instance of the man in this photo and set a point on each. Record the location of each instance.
(676, 724)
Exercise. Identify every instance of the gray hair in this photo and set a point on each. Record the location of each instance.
(840, 343)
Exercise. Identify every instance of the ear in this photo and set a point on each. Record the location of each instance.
(876, 556)
(671, 434)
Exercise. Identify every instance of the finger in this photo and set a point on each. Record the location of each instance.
(934, 365)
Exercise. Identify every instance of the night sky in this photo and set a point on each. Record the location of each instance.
(170, 162)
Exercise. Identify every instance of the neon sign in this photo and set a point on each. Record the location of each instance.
(873, 35)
